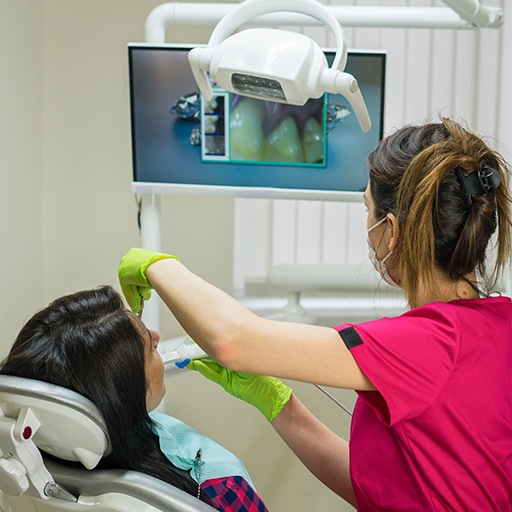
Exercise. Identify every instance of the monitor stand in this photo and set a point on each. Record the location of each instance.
(293, 311)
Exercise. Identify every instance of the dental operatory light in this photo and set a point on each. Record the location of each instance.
(274, 64)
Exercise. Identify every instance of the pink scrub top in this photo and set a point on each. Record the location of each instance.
(437, 433)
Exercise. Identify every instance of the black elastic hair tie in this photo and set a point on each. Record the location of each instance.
(478, 182)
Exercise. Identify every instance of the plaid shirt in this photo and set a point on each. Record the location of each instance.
(232, 494)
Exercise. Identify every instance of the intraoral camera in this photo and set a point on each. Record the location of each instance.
(273, 64)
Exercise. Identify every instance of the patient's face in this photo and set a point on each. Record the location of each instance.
(154, 367)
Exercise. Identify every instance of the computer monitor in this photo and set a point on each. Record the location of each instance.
(241, 147)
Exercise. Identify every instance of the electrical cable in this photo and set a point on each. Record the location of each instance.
(335, 400)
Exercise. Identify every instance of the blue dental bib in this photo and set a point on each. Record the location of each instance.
(180, 444)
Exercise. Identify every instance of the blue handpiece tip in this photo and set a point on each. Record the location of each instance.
(182, 364)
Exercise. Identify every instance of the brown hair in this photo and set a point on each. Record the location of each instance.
(413, 175)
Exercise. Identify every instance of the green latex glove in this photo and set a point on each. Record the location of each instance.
(132, 275)
(268, 394)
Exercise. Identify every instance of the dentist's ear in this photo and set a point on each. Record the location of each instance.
(395, 232)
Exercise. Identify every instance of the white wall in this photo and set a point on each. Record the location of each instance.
(20, 163)
(89, 212)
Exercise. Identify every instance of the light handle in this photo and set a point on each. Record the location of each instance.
(339, 82)
(199, 59)
(250, 9)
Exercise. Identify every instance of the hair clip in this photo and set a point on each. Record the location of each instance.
(478, 182)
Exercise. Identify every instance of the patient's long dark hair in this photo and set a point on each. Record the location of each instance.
(87, 342)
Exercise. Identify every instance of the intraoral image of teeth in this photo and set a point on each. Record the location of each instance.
(313, 141)
(210, 124)
(276, 132)
(246, 130)
(264, 130)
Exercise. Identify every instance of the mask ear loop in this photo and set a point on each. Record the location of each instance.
(376, 225)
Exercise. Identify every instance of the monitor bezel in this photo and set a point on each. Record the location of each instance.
(185, 189)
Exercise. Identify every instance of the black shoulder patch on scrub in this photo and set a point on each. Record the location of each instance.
(350, 337)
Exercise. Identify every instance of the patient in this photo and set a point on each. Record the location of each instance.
(90, 343)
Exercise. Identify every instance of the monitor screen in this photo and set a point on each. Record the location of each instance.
(242, 147)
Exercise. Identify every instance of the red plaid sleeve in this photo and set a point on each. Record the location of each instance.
(233, 494)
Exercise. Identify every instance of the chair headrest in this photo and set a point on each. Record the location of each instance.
(72, 428)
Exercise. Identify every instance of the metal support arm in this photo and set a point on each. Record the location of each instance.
(459, 14)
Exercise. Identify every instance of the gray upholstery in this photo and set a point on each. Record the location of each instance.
(138, 485)
(83, 482)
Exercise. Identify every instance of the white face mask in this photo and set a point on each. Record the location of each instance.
(380, 266)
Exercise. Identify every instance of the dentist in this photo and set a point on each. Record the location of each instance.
(432, 426)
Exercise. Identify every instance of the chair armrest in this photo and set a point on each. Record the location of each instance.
(148, 489)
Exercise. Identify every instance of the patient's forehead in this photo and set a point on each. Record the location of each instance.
(140, 326)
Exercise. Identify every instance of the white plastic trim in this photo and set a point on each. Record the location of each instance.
(460, 14)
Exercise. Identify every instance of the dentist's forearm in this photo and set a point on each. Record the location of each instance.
(240, 340)
(209, 315)
(322, 451)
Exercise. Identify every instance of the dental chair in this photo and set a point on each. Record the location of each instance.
(43, 425)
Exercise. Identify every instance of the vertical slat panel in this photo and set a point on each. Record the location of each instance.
(252, 234)
(504, 114)
(348, 32)
(367, 38)
(334, 232)
(283, 235)
(418, 68)
(504, 129)
(465, 65)
(356, 246)
(441, 77)
(488, 82)
(309, 232)
(394, 42)
(240, 247)
(257, 241)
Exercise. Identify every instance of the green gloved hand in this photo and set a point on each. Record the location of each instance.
(132, 275)
(268, 394)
